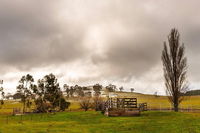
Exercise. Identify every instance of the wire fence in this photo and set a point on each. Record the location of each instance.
(185, 108)
(21, 118)
(9, 118)
(154, 103)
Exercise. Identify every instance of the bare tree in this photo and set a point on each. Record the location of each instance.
(175, 68)
(85, 103)
(97, 103)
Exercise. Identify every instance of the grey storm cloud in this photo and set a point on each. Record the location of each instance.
(35, 34)
(30, 35)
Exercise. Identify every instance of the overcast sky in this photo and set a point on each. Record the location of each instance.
(88, 41)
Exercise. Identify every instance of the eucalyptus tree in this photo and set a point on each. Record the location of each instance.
(67, 89)
(121, 88)
(25, 88)
(79, 90)
(111, 88)
(97, 89)
(1, 93)
(49, 95)
(132, 89)
(71, 91)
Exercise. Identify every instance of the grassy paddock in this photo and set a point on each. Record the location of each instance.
(95, 122)
(192, 102)
(153, 102)
(7, 107)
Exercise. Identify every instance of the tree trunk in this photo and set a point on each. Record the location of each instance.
(175, 107)
(24, 107)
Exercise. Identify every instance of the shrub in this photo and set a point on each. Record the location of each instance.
(98, 103)
(64, 104)
(85, 103)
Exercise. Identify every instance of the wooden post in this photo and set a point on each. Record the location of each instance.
(160, 107)
(21, 118)
(31, 117)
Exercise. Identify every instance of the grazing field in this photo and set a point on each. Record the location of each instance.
(75, 121)
(157, 102)
(95, 122)
(153, 102)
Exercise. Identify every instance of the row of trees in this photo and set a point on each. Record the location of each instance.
(79, 90)
(97, 88)
(46, 95)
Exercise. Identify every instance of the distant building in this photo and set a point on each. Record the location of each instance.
(112, 95)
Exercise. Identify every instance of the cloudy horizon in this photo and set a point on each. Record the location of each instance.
(87, 42)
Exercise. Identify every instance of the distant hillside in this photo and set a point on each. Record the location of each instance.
(192, 93)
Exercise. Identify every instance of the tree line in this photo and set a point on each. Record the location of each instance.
(46, 95)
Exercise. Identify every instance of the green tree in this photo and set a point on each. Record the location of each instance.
(1, 93)
(121, 88)
(40, 101)
(132, 89)
(50, 96)
(63, 104)
(71, 91)
(175, 68)
(97, 89)
(111, 88)
(25, 88)
(67, 89)
(79, 90)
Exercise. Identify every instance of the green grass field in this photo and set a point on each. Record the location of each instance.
(75, 121)
(95, 122)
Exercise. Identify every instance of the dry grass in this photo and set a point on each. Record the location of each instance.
(162, 101)
(153, 102)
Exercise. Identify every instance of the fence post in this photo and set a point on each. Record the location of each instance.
(31, 117)
(160, 107)
(21, 117)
